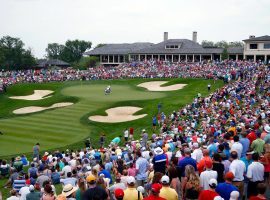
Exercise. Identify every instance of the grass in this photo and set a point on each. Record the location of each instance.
(68, 127)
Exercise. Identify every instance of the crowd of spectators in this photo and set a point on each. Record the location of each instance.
(216, 147)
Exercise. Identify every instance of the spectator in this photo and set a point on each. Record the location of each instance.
(225, 189)
(207, 175)
(142, 166)
(94, 191)
(255, 173)
(166, 192)
(209, 194)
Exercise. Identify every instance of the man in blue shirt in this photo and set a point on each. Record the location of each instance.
(186, 161)
(245, 143)
(225, 189)
(142, 166)
(105, 172)
(159, 161)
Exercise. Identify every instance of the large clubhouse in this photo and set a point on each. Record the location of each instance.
(180, 50)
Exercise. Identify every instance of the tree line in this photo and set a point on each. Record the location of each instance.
(14, 55)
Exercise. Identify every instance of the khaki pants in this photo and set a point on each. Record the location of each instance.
(240, 186)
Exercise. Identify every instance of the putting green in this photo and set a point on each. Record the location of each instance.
(67, 127)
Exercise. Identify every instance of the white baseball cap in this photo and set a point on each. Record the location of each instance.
(213, 183)
(130, 180)
(165, 179)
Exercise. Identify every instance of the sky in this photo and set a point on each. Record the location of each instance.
(39, 22)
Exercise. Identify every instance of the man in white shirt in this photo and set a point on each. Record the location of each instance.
(23, 192)
(66, 169)
(197, 152)
(238, 168)
(237, 146)
(255, 173)
(206, 175)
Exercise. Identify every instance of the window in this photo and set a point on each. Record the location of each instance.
(171, 47)
(267, 46)
(253, 46)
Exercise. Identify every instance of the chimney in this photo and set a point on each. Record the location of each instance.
(251, 36)
(165, 36)
(194, 36)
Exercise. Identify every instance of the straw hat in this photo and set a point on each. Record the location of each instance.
(68, 190)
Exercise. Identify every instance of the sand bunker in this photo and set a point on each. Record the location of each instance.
(38, 95)
(33, 109)
(118, 114)
(156, 86)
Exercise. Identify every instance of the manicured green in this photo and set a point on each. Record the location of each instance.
(68, 127)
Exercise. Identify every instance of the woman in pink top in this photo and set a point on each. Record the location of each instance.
(132, 170)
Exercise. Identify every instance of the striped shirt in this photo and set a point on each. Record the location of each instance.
(18, 184)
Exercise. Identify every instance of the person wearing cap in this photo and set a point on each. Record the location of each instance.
(69, 192)
(33, 195)
(131, 193)
(225, 189)
(119, 194)
(255, 173)
(166, 192)
(267, 134)
(155, 190)
(24, 191)
(94, 191)
(18, 164)
(160, 160)
(206, 157)
(234, 195)
(210, 193)
(238, 168)
(207, 175)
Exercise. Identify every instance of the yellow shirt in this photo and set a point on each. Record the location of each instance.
(168, 193)
(131, 194)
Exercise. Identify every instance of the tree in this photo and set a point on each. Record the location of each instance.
(74, 50)
(224, 54)
(55, 50)
(13, 55)
(86, 62)
(100, 45)
(222, 44)
(236, 44)
(206, 43)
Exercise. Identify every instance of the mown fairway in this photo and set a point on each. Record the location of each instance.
(68, 127)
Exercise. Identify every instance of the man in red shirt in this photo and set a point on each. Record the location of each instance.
(252, 136)
(131, 132)
(155, 189)
(209, 194)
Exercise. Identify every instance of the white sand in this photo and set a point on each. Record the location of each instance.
(156, 86)
(33, 109)
(118, 114)
(38, 95)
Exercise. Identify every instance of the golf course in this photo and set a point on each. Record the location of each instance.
(62, 119)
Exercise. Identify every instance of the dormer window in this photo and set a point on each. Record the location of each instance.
(172, 46)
